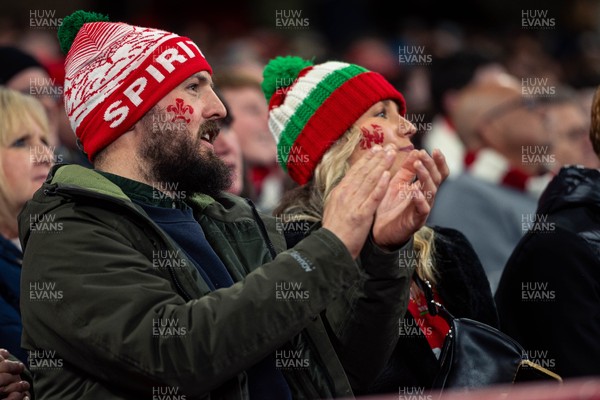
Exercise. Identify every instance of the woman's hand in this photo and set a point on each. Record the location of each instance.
(407, 202)
(351, 206)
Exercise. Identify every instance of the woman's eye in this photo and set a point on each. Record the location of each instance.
(22, 142)
(381, 114)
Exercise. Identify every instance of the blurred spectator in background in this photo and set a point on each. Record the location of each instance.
(44, 47)
(227, 147)
(549, 295)
(376, 55)
(24, 73)
(243, 56)
(569, 126)
(25, 160)
(448, 75)
(500, 185)
(246, 101)
(526, 57)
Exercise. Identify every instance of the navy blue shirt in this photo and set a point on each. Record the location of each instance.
(10, 289)
(177, 220)
(180, 225)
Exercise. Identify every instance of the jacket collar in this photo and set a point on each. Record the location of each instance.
(144, 193)
(225, 207)
(573, 186)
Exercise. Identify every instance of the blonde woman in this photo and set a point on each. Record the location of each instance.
(25, 161)
(325, 118)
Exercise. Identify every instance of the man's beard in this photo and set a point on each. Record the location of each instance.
(173, 157)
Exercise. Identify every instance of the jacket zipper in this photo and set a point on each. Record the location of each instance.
(84, 193)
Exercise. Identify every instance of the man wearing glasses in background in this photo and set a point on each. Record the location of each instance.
(507, 164)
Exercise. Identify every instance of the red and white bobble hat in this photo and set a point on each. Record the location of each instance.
(115, 73)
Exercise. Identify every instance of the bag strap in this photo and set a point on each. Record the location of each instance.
(434, 307)
(535, 370)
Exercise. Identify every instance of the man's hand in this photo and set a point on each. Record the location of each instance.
(12, 387)
(350, 208)
(407, 202)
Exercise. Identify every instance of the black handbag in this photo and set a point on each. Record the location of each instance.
(475, 355)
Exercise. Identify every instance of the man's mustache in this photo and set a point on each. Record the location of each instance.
(211, 128)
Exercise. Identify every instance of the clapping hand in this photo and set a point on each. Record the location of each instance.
(409, 198)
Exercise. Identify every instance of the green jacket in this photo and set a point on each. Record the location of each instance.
(100, 279)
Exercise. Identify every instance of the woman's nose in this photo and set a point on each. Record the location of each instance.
(406, 128)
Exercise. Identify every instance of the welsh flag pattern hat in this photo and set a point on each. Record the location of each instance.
(312, 106)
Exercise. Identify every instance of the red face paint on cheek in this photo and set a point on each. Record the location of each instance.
(371, 136)
(179, 110)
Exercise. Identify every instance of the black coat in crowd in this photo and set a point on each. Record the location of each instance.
(549, 295)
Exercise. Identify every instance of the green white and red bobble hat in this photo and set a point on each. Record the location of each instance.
(312, 106)
(115, 73)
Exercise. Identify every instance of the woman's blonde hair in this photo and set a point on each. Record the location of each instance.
(307, 202)
(18, 113)
(595, 127)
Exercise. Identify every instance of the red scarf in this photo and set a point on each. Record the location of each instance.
(434, 328)
(491, 166)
